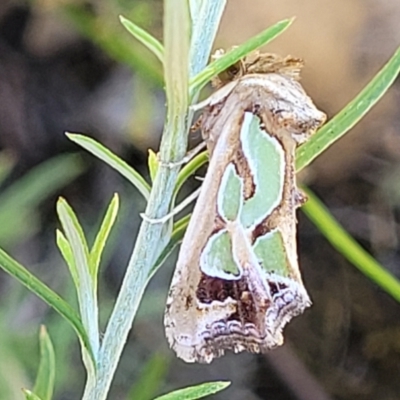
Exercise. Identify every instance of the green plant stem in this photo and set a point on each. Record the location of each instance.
(173, 147)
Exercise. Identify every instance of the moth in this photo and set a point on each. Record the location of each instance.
(237, 281)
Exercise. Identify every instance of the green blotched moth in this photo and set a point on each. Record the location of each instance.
(237, 282)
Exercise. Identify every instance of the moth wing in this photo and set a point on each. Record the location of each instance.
(184, 317)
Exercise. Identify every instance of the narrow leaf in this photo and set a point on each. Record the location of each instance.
(153, 164)
(144, 37)
(102, 236)
(206, 18)
(101, 152)
(350, 115)
(189, 169)
(179, 230)
(87, 295)
(41, 290)
(176, 65)
(44, 385)
(195, 392)
(346, 245)
(234, 55)
(74, 234)
(68, 256)
(194, 7)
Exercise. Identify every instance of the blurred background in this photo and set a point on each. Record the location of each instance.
(68, 65)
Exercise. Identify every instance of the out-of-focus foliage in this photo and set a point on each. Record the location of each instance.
(19, 200)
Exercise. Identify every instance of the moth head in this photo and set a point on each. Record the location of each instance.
(232, 73)
(285, 104)
(267, 63)
(302, 123)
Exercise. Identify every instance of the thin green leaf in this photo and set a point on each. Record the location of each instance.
(74, 234)
(189, 169)
(150, 378)
(87, 295)
(153, 164)
(179, 230)
(102, 236)
(44, 385)
(233, 56)
(194, 7)
(206, 16)
(144, 37)
(195, 392)
(346, 245)
(68, 256)
(181, 224)
(176, 65)
(98, 150)
(41, 290)
(350, 115)
(30, 395)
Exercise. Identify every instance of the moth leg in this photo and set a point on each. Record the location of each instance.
(181, 206)
(196, 125)
(189, 156)
(216, 97)
(299, 197)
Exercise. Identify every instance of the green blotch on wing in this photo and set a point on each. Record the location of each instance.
(230, 194)
(270, 251)
(266, 159)
(217, 257)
